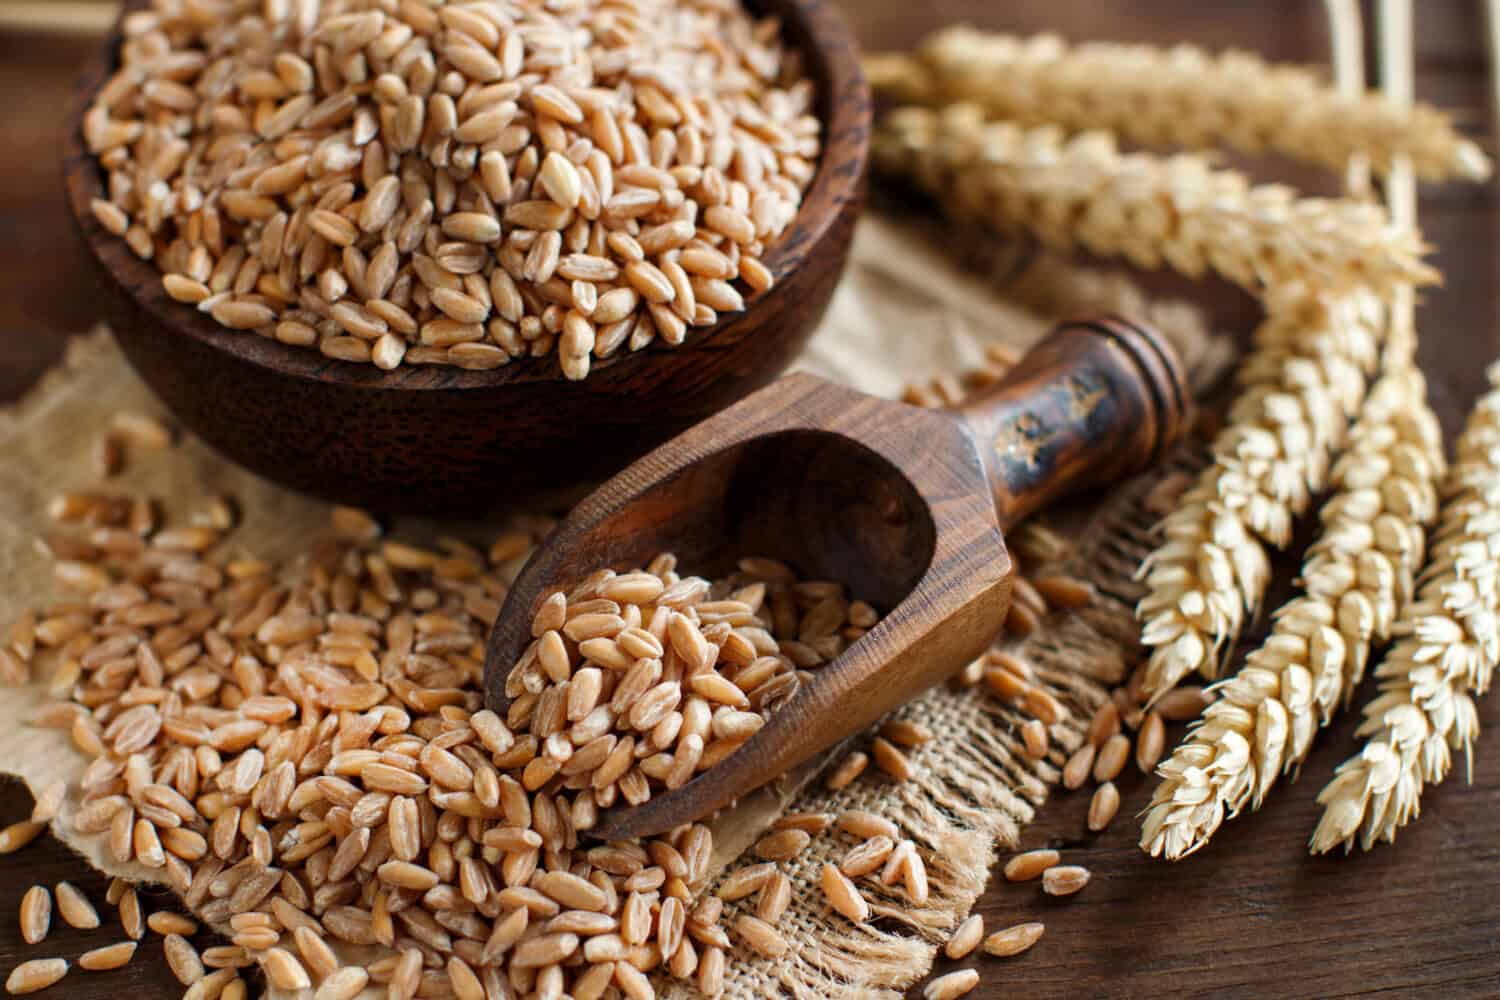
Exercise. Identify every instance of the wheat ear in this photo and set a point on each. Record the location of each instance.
(1178, 212)
(1355, 577)
(1448, 647)
(1302, 383)
(1180, 96)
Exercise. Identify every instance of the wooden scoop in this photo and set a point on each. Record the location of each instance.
(906, 506)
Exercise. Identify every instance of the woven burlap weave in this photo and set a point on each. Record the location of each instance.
(906, 311)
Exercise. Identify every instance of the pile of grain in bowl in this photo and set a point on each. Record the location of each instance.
(459, 183)
(302, 751)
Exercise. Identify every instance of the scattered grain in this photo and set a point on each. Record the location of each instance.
(37, 974)
(36, 914)
(1034, 737)
(1031, 864)
(849, 768)
(1064, 880)
(965, 938)
(1183, 704)
(166, 922)
(1150, 742)
(1013, 940)
(890, 760)
(74, 907)
(951, 985)
(182, 959)
(1076, 771)
(760, 936)
(111, 956)
(18, 835)
(1103, 806)
(1111, 758)
(842, 895)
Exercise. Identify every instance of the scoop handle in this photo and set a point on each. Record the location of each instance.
(1096, 401)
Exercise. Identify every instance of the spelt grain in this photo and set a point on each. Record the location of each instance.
(18, 835)
(282, 970)
(1111, 758)
(36, 914)
(344, 984)
(775, 897)
(782, 845)
(760, 936)
(1076, 771)
(1150, 742)
(130, 915)
(965, 938)
(890, 760)
(1103, 806)
(1030, 864)
(842, 895)
(1034, 736)
(37, 974)
(1013, 940)
(183, 959)
(74, 907)
(112, 956)
(951, 985)
(849, 769)
(1064, 880)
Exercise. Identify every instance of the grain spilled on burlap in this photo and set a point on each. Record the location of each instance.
(907, 311)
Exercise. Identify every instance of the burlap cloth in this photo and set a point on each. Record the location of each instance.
(908, 310)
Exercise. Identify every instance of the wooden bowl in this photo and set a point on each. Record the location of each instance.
(440, 439)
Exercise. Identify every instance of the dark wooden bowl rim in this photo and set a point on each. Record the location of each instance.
(808, 24)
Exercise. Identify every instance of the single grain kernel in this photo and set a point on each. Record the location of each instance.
(1183, 704)
(1031, 864)
(37, 974)
(1103, 806)
(850, 768)
(842, 895)
(1104, 724)
(1034, 737)
(36, 914)
(1076, 770)
(1064, 880)
(1111, 758)
(111, 956)
(1150, 742)
(965, 937)
(74, 907)
(951, 986)
(1013, 940)
(890, 760)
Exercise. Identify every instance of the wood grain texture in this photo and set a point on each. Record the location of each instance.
(428, 438)
(908, 506)
(1251, 915)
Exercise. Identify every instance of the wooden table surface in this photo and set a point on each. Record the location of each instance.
(1252, 915)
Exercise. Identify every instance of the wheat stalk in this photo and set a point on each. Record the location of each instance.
(1303, 381)
(1180, 96)
(1178, 212)
(1448, 648)
(1356, 576)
